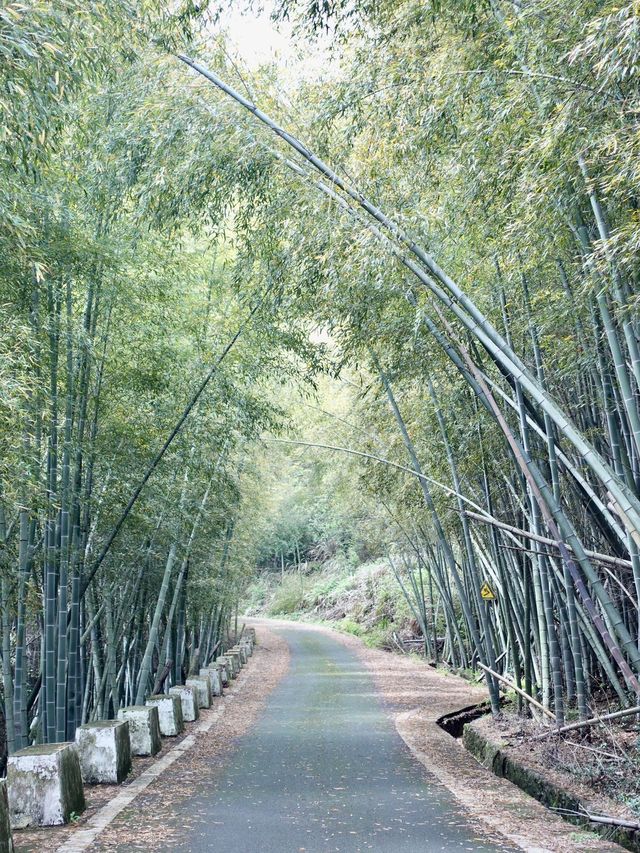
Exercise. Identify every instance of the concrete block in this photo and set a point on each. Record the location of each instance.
(247, 645)
(203, 689)
(144, 728)
(169, 714)
(227, 670)
(104, 751)
(189, 700)
(215, 679)
(234, 660)
(244, 657)
(232, 665)
(44, 785)
(234, 654)
(6, 839)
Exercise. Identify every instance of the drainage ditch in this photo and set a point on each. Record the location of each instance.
(453, 724)
(546, 792)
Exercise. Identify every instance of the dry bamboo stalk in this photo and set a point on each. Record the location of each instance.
(626, 712)
(524, 695)
(498, 659)
(545, 540)
(613, 821)
(597, 818)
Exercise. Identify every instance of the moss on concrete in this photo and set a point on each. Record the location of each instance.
(494, 755)
(6, 841)
(72, 791)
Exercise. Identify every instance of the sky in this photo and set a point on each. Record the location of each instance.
(256, 40)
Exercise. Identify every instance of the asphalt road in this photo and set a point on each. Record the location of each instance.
(325, 770)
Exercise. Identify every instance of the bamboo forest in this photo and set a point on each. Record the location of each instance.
(320, 324)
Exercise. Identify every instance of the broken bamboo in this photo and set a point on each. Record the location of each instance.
(518, 690)
(592, 721)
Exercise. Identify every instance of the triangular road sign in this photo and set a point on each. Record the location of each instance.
(486, 592)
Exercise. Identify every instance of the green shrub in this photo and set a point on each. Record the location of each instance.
(349, 627)
(288, 598)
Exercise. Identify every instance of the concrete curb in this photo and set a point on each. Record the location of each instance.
(496, 757)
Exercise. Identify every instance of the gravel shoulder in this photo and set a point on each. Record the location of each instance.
(147, 824)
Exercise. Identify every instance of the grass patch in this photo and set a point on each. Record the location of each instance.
(288, 597)
(348, 626)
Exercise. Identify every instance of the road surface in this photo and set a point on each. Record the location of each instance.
(324, 770)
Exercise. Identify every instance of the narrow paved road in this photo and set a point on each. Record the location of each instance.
(325, 770)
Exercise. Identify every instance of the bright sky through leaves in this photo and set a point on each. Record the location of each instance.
(256, 39)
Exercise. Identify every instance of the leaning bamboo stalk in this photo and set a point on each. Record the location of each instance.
(167, 443)
(555, 520)
(145, 668)
(483, 612)
(545, 540)
(453, 297)
(593, 721)
(580, 481)
(518, 690)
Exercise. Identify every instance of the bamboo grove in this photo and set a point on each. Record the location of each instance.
(138, 363)
(470, 179)
(453, 205)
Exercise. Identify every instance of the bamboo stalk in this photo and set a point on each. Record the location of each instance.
(452, 296)
(545, 540)
(519, 690)
(168, 442)
(593, 721)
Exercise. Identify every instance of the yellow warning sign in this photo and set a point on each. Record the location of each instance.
(486, 592)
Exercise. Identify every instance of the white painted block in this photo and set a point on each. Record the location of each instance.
(227, 670)
(144, 728)
(44, 785)
(169, 714)
(215, 678)
(202, 685)
(234, 660)
(234, 654)
(189, 700)
(104, 751)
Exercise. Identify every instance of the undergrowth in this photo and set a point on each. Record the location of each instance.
(363, 601)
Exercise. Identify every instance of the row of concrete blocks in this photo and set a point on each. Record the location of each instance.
(44, 783)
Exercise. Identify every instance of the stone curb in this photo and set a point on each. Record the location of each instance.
(83, 838)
